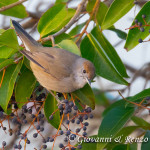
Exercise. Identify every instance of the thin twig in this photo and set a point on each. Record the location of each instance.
(70, 23)
(11, 5)
(94, 11)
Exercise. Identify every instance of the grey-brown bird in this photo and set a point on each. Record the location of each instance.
(56, 69)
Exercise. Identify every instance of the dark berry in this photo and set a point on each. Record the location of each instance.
(1, 114)
(71, 137)
(144, 16)
(85, 117)
(84, 134)
(136, 21)
(61, 132)
(140, 24)
(38, 127)
(4, 128)
(140, 40)
(88, 109)
(30, 111)
(67, 121)
(66, 139)
(19, 146)
(51, 117)
(75, 107)
(77, 130)
(60, 107)
(91, 116)
(44, 146)
(149, 30)
(65, 111)
(71, 104)
(28, 141)
(4, 143)
(79, 147)
(73, 120)
(15, 146)
(86, 123)
(78, 121)
(24, 107)
(42, 129)
(51, 139)
(67, 132)
(61, 145)
(142, 29)
(35, 135)
(84, 128)
(65, 101)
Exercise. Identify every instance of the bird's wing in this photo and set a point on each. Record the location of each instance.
(50, 62)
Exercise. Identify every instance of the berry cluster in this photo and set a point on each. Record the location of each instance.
(68, 109)
(140, 26)
(71, 113)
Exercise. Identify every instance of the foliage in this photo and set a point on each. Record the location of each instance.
(17, 79)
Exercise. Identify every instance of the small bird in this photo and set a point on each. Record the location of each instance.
(56, 69)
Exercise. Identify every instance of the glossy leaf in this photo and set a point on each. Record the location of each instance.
(70, 46)
(24, 87)
(9, 39)
(8, 83)
(6, 52)
(112, 123)
(50, 107)
(132, 146)
(146, 145)
(17, 11)
(119, 33)
(86, 96)
(98, 50)
(121, 136)
(77, 29)
(141, 95)
(141, 122)
(103, 8)
(54, 19)
(5, 62)
(88, 146)
(135, 34)
(117, 10)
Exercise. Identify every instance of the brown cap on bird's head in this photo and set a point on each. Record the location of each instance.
(90, 69)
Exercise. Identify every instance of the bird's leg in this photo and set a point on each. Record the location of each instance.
(53, 41)
(65, 95)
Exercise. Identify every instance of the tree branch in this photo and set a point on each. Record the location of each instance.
(11, 5)
(94, 11)
(70, 23)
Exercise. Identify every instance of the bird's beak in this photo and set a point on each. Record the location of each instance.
(88, 81)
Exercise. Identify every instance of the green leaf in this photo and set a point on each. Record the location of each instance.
(86, 96)
(77, 29)
(122, 135)
(119, 33)
(5, 62)
(88, 146)
(132, 146)
(9, 39)
(61, 1)
(146, 145)
(24, 87)
(17, 11)
(8, 83)
(97, 49)
(50, 107)
(70, 46)
(135, 34)
(117, 10)
(58, 16)
(140, 121)
(112, 123)
(103, 8)
(6, 52)
(143, 94)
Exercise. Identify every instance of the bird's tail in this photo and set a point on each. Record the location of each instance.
(27, 40)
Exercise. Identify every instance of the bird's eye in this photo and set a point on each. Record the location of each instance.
(84, 71)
